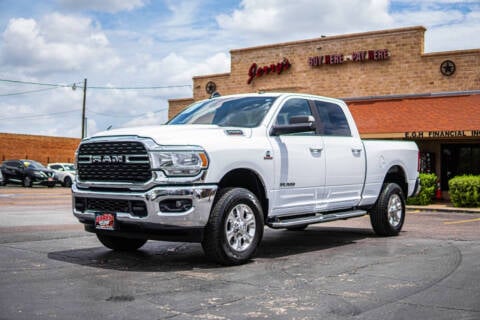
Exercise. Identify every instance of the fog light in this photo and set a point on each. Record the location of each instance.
(139, 209)
(175, 205)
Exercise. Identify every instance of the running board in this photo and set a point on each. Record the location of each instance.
(292, 221)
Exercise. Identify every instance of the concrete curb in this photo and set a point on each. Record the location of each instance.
(448, 207)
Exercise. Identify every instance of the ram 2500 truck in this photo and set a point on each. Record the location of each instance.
(224, 168)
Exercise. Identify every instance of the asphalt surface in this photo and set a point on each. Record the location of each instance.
(51, 269)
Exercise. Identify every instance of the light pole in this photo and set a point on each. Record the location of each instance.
(83, 108)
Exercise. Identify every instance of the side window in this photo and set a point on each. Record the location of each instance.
(332, 119)
(291, 108)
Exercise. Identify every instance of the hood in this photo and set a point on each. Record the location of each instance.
(179, 134)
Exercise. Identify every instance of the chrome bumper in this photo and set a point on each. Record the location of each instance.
(197, 216)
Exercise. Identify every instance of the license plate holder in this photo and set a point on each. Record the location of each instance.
(105, 221)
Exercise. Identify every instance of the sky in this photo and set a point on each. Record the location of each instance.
(137, 54)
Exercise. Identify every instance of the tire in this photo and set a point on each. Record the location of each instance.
(51, 185)
(298, 228)
(27, 182)
(67, 182)
(235, 227)
(120, 243)
(388, 215)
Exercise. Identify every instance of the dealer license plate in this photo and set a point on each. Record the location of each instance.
(105, 221)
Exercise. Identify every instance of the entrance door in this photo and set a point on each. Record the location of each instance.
(459, 159)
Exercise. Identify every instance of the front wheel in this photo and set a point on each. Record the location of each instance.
(235, 227)
(27, 182)
(120, 243)
(388, 214)
(67, 182)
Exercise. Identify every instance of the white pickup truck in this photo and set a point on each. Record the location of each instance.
(224, 168)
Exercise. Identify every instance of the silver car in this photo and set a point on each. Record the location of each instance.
(65, 173)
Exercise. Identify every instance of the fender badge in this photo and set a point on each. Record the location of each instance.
(268, 156)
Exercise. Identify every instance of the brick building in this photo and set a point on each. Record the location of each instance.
(40, 148)
(393, 88)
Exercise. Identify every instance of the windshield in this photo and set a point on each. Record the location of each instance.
(69, 167)
(245, 112)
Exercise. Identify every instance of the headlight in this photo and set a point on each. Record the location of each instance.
(181, 163)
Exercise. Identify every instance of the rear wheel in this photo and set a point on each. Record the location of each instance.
(388, 215)
(235, 227)
(120, 243)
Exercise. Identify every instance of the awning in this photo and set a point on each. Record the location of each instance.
(418, 117)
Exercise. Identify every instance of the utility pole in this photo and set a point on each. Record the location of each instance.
(83, 109)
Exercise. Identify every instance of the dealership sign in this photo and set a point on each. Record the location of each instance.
(357, 56)
(256, 71)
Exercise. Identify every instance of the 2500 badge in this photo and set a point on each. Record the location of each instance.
(287, 184)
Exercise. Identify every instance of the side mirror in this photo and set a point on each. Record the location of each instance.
(296, 124)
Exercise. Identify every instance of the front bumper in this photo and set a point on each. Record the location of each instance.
(196, 216)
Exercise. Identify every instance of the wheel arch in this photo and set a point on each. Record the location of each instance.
(250, 180)
(396, 174)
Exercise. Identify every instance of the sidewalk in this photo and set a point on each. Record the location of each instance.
(444, 206)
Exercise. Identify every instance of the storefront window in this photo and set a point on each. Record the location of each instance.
(459, 159)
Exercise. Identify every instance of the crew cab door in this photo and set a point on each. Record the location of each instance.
(299, 163)
(344, 155)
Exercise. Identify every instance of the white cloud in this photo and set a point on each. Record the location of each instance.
(280, 20)
(111, 6)
(57, 43)
(177, 40)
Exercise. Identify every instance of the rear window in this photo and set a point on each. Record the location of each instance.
(332, 119)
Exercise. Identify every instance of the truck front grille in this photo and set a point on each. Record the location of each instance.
(118, 161)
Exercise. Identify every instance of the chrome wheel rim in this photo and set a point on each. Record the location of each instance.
(395, 210)
(240, 227)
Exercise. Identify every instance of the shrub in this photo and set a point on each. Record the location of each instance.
(428, 183)
(465, 191)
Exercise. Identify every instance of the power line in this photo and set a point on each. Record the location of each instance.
(25, 92)
(44, 115)
(78, 85)
(126, 115)
(142, 88)
(37, 83)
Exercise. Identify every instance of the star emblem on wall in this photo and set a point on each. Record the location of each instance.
(447, 68)
(210, 87)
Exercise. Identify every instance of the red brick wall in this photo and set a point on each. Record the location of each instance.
(40, 148)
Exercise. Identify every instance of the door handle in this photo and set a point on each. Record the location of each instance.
(356, 151)
(316, 150)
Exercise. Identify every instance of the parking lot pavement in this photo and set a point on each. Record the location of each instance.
(338, 270)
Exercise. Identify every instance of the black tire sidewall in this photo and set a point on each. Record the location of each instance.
(379, 216)
(27, 182)
(223, 252)
(67, 182)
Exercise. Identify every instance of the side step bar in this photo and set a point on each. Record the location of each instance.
(292, 221)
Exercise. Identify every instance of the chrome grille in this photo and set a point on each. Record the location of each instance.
(116, 161)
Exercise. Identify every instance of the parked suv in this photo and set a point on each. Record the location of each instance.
(65, 173)
(27, 173)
